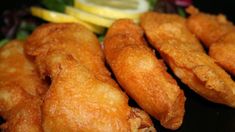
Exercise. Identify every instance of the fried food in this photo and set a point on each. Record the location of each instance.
(223, 51)
(194, 67)
(218, 34)
(178, 32)
(82, 95)
(20, 90)
(142, 75)
(208, 28)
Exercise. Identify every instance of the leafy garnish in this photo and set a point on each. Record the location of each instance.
(27, 26)
(22, 35)
(3, 42)
(152, 4)
(101, 38)
(24, 30)
(181, 12)
(57, 5)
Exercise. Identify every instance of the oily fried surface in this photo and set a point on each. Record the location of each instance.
(25, 116)
(20, 90)
(208, 28)
(218, 34)
(175, 27)
(193, 67)
(223, 51)
(82, 96)
(15, 66)
(64, 40)
(142, 75)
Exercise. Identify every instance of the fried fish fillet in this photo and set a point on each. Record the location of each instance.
(177, 32)
(20, 90)
(218, 34)
(223, 51)
(194, 67)
(82, 95)
(209, 28)
(142, 75)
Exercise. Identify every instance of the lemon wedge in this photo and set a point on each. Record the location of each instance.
(56, 17)
(88, 17)
(111, 12)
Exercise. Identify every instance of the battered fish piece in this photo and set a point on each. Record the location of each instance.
(178, 32)
(195, 68)
(20, 90)
(142, 75)
(82, 95)
(208, 28)
(218, 34)
(223, 52)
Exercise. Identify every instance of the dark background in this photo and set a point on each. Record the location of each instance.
(226, 7)
(201, 115)
(11, 4)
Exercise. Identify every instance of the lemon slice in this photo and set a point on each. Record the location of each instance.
(56, 17)
(52, 16)
(122, 4)
(110, 12)
(88, 17)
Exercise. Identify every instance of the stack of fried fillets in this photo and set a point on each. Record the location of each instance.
(81, 95)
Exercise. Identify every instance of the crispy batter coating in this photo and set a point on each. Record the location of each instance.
(142, 75)
(223, 51)
(209, 28)
(218, 34)
(20, 90)
(177, 32)
(193, 67)
(82, 96)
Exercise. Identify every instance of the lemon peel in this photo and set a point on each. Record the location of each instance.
(113, 13)
(88, 17)
(56, 17)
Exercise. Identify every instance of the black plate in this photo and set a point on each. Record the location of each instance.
(201, 115)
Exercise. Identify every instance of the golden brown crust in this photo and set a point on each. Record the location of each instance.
(193, 67)
(82, 96)
(141, 75)
(20, 90)
(217, 33)
(223, 51)
(177, 32)
(208, 28)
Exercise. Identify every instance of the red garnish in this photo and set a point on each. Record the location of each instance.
(183, 3)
